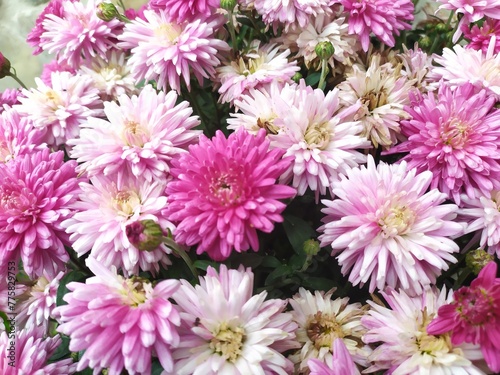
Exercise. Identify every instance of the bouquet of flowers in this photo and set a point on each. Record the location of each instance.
(249, 187)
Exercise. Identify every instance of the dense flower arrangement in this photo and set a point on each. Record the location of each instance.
(249, 187)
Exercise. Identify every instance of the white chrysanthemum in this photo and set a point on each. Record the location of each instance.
(383, 93)
(405, 347)
(322, 319)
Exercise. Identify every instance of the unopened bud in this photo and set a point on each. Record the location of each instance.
(324, 50)
(227, 4)
(4, 66)
(297, 77)
(477, 259)
(145, 235)
(425, 42)
(311, 247)
(107, 11)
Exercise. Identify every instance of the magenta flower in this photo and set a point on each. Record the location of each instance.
(384, 18)
(165, 51)
(120, 323)
(36, 192)
(481, 37)
(31, 353)
(342, 363)
(182, 10)
(387, 229)
(225, 190)
(456, 136)
(474, 316)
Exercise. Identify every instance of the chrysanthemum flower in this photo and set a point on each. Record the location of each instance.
(111, 76)
(321, 320)
(165, 51)
(226, 330)
(32, 352)
(383, 93)
(403, 344)
(17, 135)
(456, 136)
(473, 10)
(120, 323)
(107, 214)
(341, 364)
(483, 214)
(77, 33)
(140, 136)
(9, 97)
(417, 65)
(224, 190)
(384, 18)
(387, 229)
(54, 66)
(182, 10)
(36, 192)
(474, 316)
(59, 109)
(258, 67)
(480, 37)
(287, 12)
(35, 305)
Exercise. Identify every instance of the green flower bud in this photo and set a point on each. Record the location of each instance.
(425, 42)
(4, 66)
(311, 247)
(107, 11)
(145, 235)
(441, 28)
(477, 259)
(324, 50)
(297, 77)
(228, 4)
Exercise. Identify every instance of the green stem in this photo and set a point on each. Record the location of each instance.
(14, 76)
(122, 5)
(182, 253)
(232, 32)
(324, 73)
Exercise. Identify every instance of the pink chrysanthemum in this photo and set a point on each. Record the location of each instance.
(288, 12)
(474, 316)
(473, 10)
(106, 221)
(9, 98)
(59, 109)
(17, 136)
(480, 37)
(165, 51)
(36, 192)
(54, 66)
(226, 330)
(341, 364)
(31, 353)
(120, 323)
(141, 136)
(35, 306)
(387, 229)
(384, 18)
(182, 10)
(456, 136)
(258, 67)
(78, 33)
(225, 190)
(403, 345)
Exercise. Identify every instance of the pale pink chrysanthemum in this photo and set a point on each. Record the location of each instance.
(36, 192)
(35, 305)
(387, 230)
(31, 353)
(9, 97)
(474, 316)
(120, 323)
(459, 66)
(341, 364)
(140, 136)
(483, 214)
(227, 330)
(60, 109)
(288, 12)
(417, 65)
(224, 190)
(404, 347)
(260, 66)
(321, 320)
(480, 37)
(78, 34)
(456, 136)
(106, 221)
(166, 51)
(384, 18)
(182, 10)
(54, 66)
(17, 136)
(473, 10)
(383, 93)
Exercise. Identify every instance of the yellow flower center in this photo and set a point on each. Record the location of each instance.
(125, 202)
(322, 329)
(134, 291)
(395, 221)
(228, 342)
(455, 133)
(318, 135)
(167, 34)
(134, 134)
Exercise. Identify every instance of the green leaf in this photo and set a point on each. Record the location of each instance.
(313, 78)
(6, 321)
(317, 283)
(156, 368)
(203, 264)
(298, 231)
(62, 350)
(68, 278)
(282, 270)
(297, 260)
(271, 262)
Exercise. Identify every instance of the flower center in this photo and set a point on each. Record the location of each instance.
(228, 342)
(167, 33)
(250, 63)
(395, 221)
(227, 188)
(374, 99)
(455, 133)
(54, 98)
(322, 329)
(135, 290)
(318, 135)
(430, 344)
(134, 134)
(268, 125)
(125, 202)
(474, 305)
(18, 203)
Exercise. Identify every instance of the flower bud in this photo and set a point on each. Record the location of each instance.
(227, 4)
(145, 235)
(311, 247)
(4, 66)
(107, 11)
(324, 50)
(297, 77)
(477, 259)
